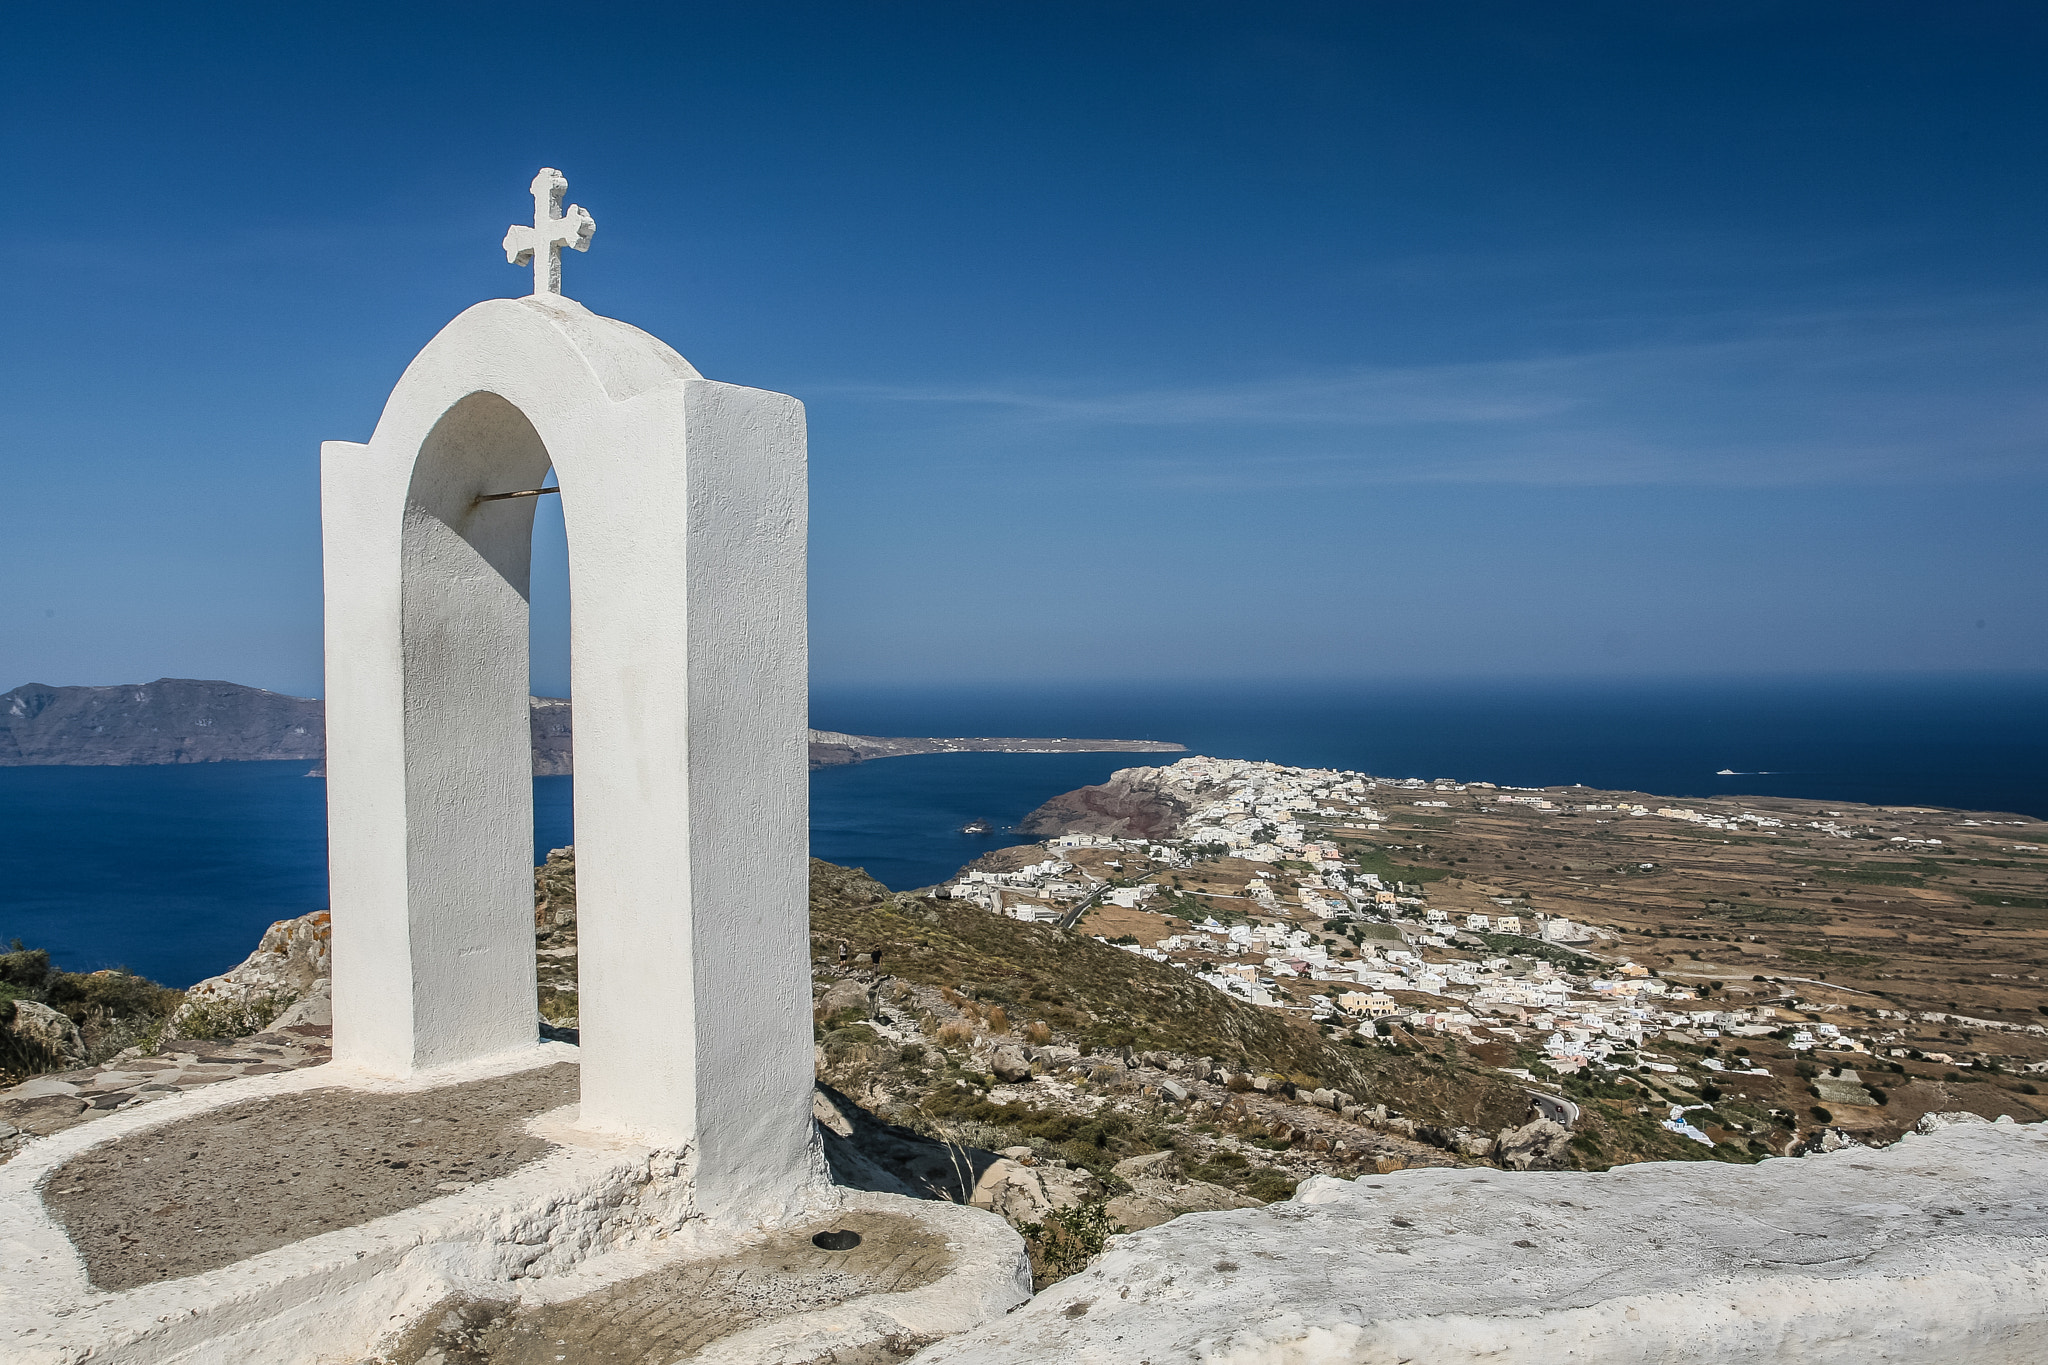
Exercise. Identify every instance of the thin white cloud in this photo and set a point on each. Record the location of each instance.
(1825, 398)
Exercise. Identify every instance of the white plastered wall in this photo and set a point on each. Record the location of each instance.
(684, 501)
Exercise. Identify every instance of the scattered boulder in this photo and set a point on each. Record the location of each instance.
(828, 1115)
(1065, 1186)
(1159, 1192)
(292, 961)
(1474, 1144)
(1537, 1145)
(38, 1029)
(1174, 1091)
(1933, 1123)
(1151, 1166)
(1826, 1140)
(843, 995)
(315, 1008)
(1027, 1194)
(1010, 1064)
(1148, 1208)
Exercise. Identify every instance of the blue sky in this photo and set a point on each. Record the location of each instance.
(1288, 342)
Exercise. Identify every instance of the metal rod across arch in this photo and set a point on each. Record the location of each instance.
(522, 493)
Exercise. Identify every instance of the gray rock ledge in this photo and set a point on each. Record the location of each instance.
(1932, 1250)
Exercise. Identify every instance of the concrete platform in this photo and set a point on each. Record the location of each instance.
(325, 1217)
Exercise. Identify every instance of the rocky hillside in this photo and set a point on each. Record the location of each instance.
(172, 720)
(1002, 981)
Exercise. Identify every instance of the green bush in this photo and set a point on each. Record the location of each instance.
(233, 1018)
(27, 970)
(118, 993)
(1068, 1239)
(18, 1055)
(1272, 1186)
(841, 1041)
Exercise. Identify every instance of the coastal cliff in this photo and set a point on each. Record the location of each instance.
(1135, 803)
(171, 720)
(830, 748)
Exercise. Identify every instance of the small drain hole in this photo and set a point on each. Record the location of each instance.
(839, 1239)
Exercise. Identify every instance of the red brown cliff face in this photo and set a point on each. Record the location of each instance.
(1133, 804)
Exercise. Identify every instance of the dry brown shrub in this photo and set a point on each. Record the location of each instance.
(958, 1031)
(1038, 1032)
(998, 1020)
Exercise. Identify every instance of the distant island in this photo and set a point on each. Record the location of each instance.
(829, 748)
(187, 720)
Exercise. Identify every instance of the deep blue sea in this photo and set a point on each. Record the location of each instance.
(174, 871)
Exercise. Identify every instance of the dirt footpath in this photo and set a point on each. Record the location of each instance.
(224, 1186)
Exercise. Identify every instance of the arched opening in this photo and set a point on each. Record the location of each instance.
(464, 586)
(685, 532)
(554, 821)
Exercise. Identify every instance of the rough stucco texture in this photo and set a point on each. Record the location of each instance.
(1934, 1250)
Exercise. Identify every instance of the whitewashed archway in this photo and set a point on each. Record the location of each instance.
(685, 506)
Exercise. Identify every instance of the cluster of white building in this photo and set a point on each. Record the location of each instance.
(1255, 810)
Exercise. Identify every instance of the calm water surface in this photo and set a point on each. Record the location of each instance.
(175, 871)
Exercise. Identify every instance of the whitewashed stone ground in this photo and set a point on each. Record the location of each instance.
(591, 1213)
(1934, 1250)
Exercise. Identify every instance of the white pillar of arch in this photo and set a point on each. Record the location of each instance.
(685, 504)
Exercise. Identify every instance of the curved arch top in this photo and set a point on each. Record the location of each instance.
(539, 353)
(686, 510)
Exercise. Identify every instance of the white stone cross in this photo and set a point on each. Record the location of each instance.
(552, 230)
